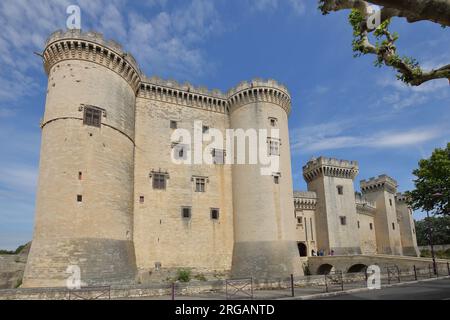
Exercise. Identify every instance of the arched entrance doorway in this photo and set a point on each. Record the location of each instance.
(325, 269)
(357, 268)
(302, 249)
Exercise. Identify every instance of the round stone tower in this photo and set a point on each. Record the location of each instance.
(84, 205)
(265, 245)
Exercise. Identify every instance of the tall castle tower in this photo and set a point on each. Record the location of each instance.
(382, 190)
(84, 206)
(332, 180)
(407, 226)
(264, 235)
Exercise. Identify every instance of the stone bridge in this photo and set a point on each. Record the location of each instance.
(358, 263)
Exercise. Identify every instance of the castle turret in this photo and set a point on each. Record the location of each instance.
(381, 190)
(84, 205)
(263, 204)
(332, 180)
(407, 226)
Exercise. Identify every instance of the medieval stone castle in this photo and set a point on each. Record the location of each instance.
(111, 201)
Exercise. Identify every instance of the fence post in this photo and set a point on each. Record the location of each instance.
(415, 272)
(398, 274)
(173, 290)
(292, 285)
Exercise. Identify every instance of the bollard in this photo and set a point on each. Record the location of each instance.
(292, 286)
(173, 290)
(415, 272)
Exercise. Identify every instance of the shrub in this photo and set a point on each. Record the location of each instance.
(184, 275)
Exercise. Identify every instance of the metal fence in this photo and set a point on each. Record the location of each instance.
(239, 289)
(90, 293)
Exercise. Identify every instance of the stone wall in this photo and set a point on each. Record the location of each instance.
(12, 267)
(162, 236)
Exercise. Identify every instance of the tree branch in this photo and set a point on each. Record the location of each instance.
(409, 70)
(437, 11)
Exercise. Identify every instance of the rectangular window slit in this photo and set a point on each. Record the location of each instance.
(214, 214)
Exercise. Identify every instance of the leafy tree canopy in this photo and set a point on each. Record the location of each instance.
(432, 183)
(440, 227)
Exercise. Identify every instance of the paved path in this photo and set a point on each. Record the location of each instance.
(426, 290)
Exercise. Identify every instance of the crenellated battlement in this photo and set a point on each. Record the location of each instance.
(305, 200)
(330, 167)
(183, 94)
(259, 90)
(92, 47)
(364, 206)
(382, 182)
(401, 197)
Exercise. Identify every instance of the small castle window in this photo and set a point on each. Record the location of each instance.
(276, 179)
(180, 151)
(159, 181)
(200, 184)
(371, 226)
(205, 129)
(218, 156)
(340, 190)
(343, 220)
(273, 122)
(79, 198)
(173, 124)
(141, 199)
(274, 147)
(80, 175)
(186, 212)
(359, 225)
(300, 221)
(92, 116)
(390, 202)
(393, 225)
(214, 214)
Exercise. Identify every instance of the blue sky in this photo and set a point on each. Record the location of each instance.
(342, 107)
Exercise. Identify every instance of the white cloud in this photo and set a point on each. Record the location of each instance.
(167, 41)
(298, 7)
(334, 135)
(400, 96)
(20, 178)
